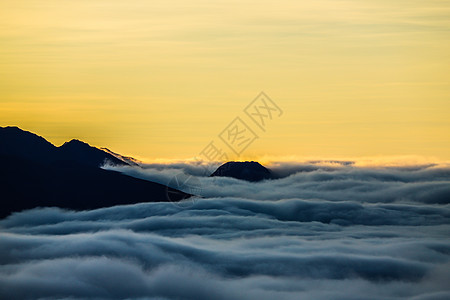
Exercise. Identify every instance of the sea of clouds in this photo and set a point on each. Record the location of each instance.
(323, 230)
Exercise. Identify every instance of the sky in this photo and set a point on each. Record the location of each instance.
(163, 79)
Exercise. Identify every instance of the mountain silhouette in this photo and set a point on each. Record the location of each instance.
(82, 152)
(17, 142)
(35, 173)
(246, 170)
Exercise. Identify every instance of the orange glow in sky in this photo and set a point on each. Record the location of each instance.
(161, 79)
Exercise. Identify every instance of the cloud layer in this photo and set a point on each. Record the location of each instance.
(324, 232)
(334, 181)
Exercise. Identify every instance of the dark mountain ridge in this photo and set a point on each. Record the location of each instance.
(17, 142)
(35, 173)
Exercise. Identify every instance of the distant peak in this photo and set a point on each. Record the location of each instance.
(245, 170)
(244, 162)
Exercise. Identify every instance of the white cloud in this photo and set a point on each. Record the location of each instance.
(324, 232)
(334, 181)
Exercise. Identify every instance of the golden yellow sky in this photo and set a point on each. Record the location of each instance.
(161, 79)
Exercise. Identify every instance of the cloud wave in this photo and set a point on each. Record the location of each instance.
(323, 232)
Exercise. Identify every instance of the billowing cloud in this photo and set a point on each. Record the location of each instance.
(334, 181)
(323, 232)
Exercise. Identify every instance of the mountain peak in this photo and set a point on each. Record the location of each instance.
(245, 170)
(84, 153)
(75, 143)
(17, 142)
(11, 128)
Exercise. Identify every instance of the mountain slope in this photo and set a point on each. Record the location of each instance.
(17, 142)
(26, 184)
(129, 160)
(81, 152)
